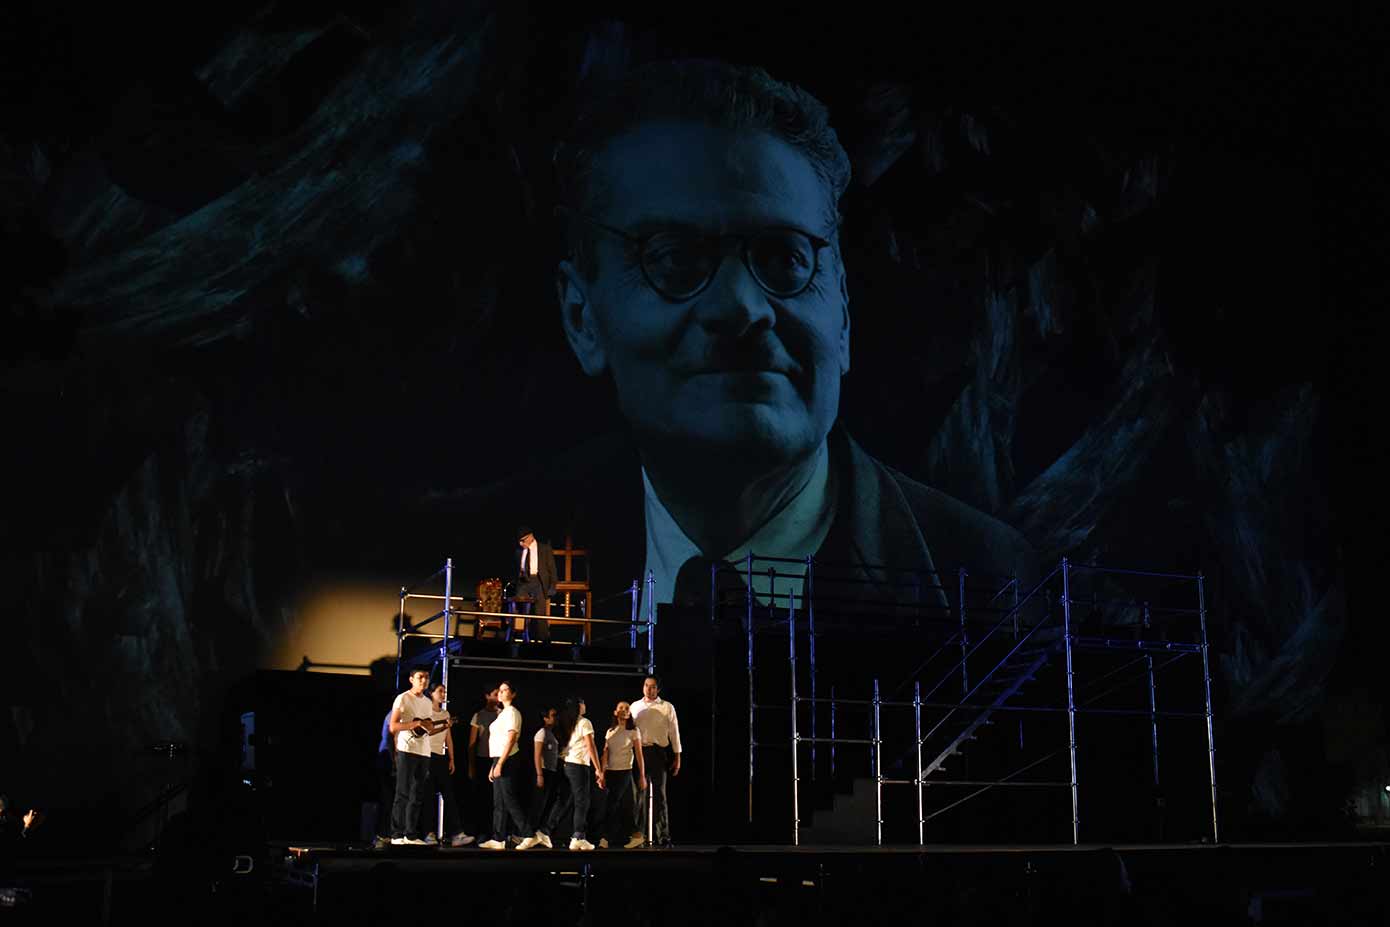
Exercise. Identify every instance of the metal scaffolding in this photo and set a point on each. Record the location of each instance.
(638, 626)
(1031, 644)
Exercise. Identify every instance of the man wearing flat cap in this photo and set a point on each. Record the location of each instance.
(535, 579)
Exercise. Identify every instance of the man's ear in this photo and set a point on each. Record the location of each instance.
(844, 322)
(577, 316)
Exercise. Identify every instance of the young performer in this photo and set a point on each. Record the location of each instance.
(581, 759)
(546, 756)
(621, 745)
(386, 782)
(506, 807)
(411, 725)
(441, 775)
(656, 722)
(480, 789)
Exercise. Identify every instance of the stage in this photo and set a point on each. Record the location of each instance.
(1234, 883)
(303, 882)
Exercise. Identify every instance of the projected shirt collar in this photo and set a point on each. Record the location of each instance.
(796, 531)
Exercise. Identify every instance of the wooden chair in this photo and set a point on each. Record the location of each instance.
(491, 599)
(574, 588)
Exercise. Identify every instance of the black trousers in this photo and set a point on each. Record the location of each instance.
(479, 809)
(506, 804)
(386, 790)
(654, 759)
(581, 785)
(440, 782)
(411, 773)
(617, 813)
(543, 800)
(540, 630)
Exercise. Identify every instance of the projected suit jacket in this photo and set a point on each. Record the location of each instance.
(594, 495)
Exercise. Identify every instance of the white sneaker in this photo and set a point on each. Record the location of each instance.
(397, 841)
(636, 840)
(603, 843)
(543, 840)
(527, 843)
(460, 840)
(431, 840)
(579, 843)
(492, 845)
(416, 842)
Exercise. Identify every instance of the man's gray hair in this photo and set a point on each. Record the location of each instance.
(714, 93)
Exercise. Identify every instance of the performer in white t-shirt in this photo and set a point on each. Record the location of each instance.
(583, 769)
(501, 747)
(546, 758)
(479, 806)
(622, 746)
(441, 776)
(410, 724)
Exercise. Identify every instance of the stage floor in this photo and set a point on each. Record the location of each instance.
(1178, 884)
(331, 859)
(299, 883)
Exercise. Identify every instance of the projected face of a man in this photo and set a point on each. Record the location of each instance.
(732, 368)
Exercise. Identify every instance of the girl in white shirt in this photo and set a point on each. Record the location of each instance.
(501, 747)
(580, 761)
(622, 745)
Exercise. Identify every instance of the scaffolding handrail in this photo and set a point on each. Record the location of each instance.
(912, 676)
(1093, 568)
(573, 619)
(1070, 642)
(823, 566)
(405, 590)
(634, 624)
(980, 643)
(775, 626)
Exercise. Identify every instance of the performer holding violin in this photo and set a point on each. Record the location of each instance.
(411, 725)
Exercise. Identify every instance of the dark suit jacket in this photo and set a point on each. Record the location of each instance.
(882, 517)
(545, 566)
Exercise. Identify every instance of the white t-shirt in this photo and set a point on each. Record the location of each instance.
(437, 739)
(482, 720)
(412, 708)
(508, 721)
(620, 741)
(576, 751)
(550, 748)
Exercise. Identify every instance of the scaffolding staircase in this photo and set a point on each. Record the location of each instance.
(1027, 656)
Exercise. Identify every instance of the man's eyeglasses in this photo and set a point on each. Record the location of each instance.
(679, 265)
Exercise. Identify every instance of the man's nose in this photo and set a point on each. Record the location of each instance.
(734, 304)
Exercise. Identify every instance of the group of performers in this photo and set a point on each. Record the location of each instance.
(613, 789)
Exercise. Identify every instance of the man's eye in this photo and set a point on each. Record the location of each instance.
(786, 253)
(673, 252)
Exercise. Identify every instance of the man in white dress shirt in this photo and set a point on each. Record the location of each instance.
(655, 719)
(535, 582)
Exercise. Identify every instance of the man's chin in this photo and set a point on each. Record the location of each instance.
(745, 435)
